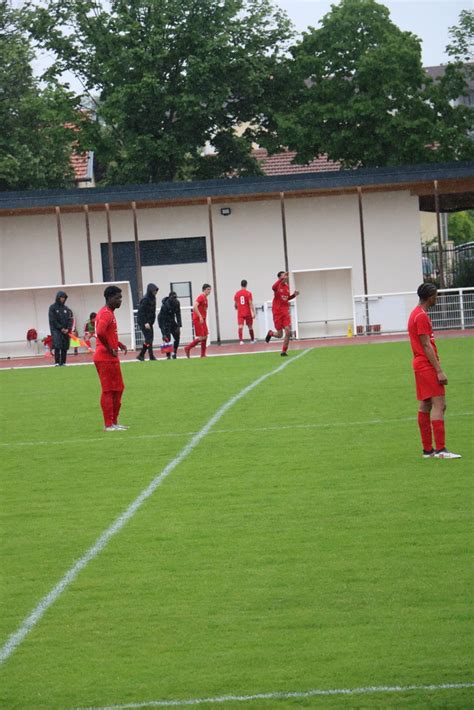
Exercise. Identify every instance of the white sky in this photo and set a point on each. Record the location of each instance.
(428, 19)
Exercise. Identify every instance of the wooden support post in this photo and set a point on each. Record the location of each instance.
(213, 263)
(138, 258)
(88, 238)
(60, 242)
(109, 240)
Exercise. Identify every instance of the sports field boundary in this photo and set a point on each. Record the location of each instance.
(282, 696)
(38, 612)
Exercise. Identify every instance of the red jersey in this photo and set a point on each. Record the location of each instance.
(242, 300)
(419, 323)
(202, 304)
(281, 297)
(107, 335)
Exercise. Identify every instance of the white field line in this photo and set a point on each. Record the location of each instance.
(322, 425)
(32, 619)
(284, 696)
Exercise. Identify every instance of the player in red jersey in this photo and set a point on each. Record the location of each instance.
(281, 311)
(106, 359)
(429, 377)
(199, 321)
(243, 303)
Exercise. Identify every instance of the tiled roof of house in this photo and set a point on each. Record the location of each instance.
(281, 163)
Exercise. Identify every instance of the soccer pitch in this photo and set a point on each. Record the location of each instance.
(295, 548)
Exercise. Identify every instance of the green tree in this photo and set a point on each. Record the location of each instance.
(461, 227)
(356, 90)
(461, 47)
(35, 144)
(170, 75)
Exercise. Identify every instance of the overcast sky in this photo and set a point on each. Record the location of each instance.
(428, 19)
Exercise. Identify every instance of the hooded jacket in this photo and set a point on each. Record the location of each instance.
(60, 316)
(147, 307)
(170, 314)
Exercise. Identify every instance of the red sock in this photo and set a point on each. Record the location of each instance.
(241, 333)
(424, 423)
(107, 404)
(438, 431)
(203, 348)
(117, 400)
(284, 348)
(194, 343)
(252, 336)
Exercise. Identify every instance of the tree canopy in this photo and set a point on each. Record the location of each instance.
(170, 76)
(35, 142)
(356, 90)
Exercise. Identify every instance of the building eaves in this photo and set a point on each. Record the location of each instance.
(240, 188)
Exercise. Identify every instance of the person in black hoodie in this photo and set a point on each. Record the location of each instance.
(169, 320)
(145, 318)
(60, 323)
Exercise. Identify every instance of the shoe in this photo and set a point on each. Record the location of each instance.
(241, 342)
(152, 357)
(445, 454)
(112, 427)
(141, 357)
(428, 454)
(284, 354)
(168, 356)
(268, 337)
(120, 427)
(253, 342)
(186, 352)
(174, 356)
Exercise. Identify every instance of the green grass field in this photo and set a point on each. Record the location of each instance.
(302, 545)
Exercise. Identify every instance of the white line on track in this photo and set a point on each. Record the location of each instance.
(284, 696)
(30, 622)
(321, 425)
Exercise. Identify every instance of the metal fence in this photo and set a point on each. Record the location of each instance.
(455, 267)
(388, 312)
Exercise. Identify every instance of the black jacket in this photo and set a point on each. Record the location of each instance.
(170, 314)
(60, 316)
(147, 307)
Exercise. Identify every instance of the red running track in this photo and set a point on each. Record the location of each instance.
(236, 349)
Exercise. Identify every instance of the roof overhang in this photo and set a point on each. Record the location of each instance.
(455, 186)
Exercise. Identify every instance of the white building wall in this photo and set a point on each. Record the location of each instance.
(392, 242)
(322, 232)
(248, 245)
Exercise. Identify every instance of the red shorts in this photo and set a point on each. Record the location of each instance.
(281, 320)
(110, 375)
(427, 384)
(245, 320)
(200, 329)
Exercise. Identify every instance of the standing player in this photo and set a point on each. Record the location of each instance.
(146, 315)
(106, 359)
(429, 377)
(169, 320)
(199, 321)
(243, 303)
(281, 311)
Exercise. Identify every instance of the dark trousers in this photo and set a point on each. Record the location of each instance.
(61, 346)
(148, 336)
(172, 330)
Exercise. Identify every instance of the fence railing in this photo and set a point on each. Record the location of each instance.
(389, 312)
(453, 268)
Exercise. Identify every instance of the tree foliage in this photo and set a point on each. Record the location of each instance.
(356, 90)
(170, 76)
(461, 47)
(35, 144)
(461, 227)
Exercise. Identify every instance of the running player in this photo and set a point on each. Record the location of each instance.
(429, 377)
(199, 321)
(281, 311)
(243, 303)
(106, 359)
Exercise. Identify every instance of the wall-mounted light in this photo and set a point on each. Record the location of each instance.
(226, 211)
